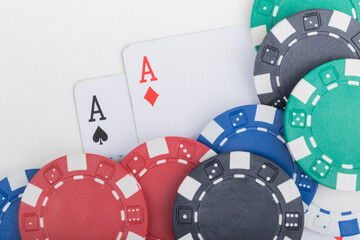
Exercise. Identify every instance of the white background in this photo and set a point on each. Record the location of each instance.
(46, 47)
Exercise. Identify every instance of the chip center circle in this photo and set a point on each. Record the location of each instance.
(335, 131)
(158, 187)
(306, 54)
(247, 206)
(85, 209)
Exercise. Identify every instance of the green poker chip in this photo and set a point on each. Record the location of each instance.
(322, 124)
(267, 13)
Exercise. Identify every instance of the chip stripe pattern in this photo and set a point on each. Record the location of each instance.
(244, 166)
(154, 164)
(267, 13)
(11, 191)
(84, 169)
(273, 80)
(257, 129)
(308, 149)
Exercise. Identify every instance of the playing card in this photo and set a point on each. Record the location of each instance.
(105, 116)
(177, 85)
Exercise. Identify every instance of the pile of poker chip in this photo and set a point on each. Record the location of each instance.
(256, 172)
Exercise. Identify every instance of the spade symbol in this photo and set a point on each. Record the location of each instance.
(100, 136)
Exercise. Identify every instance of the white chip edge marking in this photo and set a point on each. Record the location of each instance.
(76, 162)
(352, 67)
(346, 182)
(46, 199)
(278, 81)
(128, 185)
(142, 172)
(59, 184)
(354, 13)
(6, 207)
(207, 155)
(289, 191)
(347, 166)
(258, 181)
(212, 131)
(303, 91)
(99, 181)
(332, 86)
(202, 195)
(265, 114)
(275, 198)
(196, 216)
(116, 196)
(78, 177)
(161, 162)
(351, 48)
(279, 63)
(187, 237)
(281, 139)
(312, 34)
(354, 83)
(223, 142)
(316, 100)
(31, 195)
(239, 160)
(119, 236)
(293, 42)
(18, 180)
(42, 222)
(334, 35)
(263, 84)
(157, 147)
(182, 161)
(241, 130)
(283, 30)
(217, 181)
(258, 34)
(340, 21)
(189, 187)
(275, 12)
(308, 121)
(133, 236)
(312, 141)
(239, 176)
(299, 148)
(122, 213)
(326, 158)
(260, 129)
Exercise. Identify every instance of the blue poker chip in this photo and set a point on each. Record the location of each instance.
(11, 190)
(257, 129)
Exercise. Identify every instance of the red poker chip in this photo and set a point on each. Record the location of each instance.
(160, 166)
(83, 196)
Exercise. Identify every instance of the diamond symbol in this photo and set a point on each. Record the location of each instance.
(151, 96)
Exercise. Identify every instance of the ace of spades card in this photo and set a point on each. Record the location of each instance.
(105, 116)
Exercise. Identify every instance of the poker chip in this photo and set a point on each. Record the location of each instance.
(334, 213)
(160, 166)
(321, 124)
(297, 45)
(310, 235)
(11, 190)
(83, 196)
(257, 129)
(266, 14)
(238, 194)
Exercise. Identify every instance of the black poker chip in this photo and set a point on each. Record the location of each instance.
(299, 44)
(238, 195)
